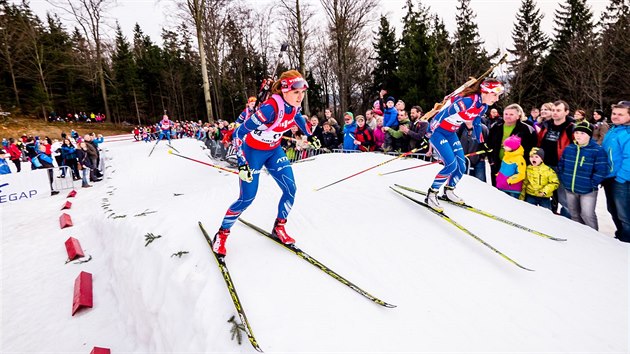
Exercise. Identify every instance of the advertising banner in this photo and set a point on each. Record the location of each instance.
(26, 185)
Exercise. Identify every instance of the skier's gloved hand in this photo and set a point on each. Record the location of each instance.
(316, 143)
(424, 143)
(245, 173)
(485, 147)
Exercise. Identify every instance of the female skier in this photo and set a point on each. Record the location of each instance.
(469, 105)
(257, 143)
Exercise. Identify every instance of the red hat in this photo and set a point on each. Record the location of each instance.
(251, 99)
(492, 86)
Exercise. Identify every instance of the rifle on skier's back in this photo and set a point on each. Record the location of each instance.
(467, 84)
(265, 87)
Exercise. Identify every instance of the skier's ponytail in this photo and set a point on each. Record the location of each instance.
(474, 88)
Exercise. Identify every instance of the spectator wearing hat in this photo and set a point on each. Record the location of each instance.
(349, 130)
(512, 172)
(617, 183)
(581, 169)
(364, 136)
(600, 126)
(540, 180)
(390, 121)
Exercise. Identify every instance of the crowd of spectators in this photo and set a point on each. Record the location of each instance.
(551, 158)
(71, 154)
(77, 117)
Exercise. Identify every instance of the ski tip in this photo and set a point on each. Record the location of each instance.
(170, 151)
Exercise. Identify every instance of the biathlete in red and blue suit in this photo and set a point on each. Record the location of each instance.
(248, 111)
(469, 105)
(165, 128)
(257, 142)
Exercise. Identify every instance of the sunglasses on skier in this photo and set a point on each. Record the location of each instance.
(295, 83)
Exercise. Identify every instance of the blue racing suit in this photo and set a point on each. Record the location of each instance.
(257, 141)
(444, 137)
(165, 129)
(244, 115)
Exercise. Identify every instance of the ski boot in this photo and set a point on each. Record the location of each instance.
(432, 200)
(280, 233)
(218, 243)
(449, 194)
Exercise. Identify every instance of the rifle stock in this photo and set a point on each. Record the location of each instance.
(467, 84)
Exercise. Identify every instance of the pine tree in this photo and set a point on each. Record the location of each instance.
(82, 92)
(125, 79)
(148, 59)
(469, 55)
(58, 58)
(386, 57)
(416, 71)
(530, 44)
(567, 70)
(573, 25)
(442, 48)
(12, 47)
(615, 48)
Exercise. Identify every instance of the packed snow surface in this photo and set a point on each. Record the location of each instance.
(452, 293)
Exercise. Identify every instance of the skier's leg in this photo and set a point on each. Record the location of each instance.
(280, 169)
(441, 143)
(248, 191)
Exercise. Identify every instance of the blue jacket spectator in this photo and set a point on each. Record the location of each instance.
(617, 186)
(390, 115)
(349, 129)
(617, 146)
(582, 168)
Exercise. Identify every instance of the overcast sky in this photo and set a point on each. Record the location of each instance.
(495, 18)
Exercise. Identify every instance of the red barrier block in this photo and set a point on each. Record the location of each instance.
(98, 350)
(67, 205)
(72, 193)
(65, 221)
(73, 247)
(82, 292)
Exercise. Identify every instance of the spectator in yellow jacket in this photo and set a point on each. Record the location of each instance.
(540, 180)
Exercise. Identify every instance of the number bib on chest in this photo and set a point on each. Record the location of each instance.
(268, 137)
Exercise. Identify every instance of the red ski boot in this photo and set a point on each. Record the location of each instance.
(218, 243)
(280, 232)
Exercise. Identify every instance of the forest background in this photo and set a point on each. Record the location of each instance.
(216, 54)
